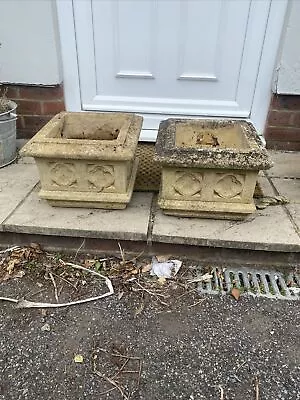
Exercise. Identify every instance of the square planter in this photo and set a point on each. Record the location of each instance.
(209, 167)
(87, 159)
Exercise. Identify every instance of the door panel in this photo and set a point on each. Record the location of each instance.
(169, 57)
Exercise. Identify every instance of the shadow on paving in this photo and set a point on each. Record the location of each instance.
(189, 351)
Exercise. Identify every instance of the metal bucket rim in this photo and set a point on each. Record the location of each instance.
(13, 108)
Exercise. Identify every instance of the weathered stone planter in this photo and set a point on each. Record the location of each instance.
(209, 167)
(87, 159)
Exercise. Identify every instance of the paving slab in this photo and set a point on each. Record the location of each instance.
(294, 210)
(266, 186)
(286, 164)
(36, 216)
(270, 230)
(16, 181)
(289, 188)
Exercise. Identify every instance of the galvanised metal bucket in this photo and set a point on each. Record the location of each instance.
(8, 142)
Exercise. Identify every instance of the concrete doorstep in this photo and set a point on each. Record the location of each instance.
(272, 234)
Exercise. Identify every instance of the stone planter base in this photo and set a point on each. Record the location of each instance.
(209, 168)
(87, 159)
(116, 201)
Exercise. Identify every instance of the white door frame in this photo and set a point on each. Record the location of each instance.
(262, 94)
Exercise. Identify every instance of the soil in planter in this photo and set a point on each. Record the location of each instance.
(198, 136)
(75, 127)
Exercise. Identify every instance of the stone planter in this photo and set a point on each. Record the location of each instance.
(209, 167)
(87, 159)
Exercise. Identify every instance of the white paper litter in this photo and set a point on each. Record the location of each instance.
(295, 290)
(167, 269)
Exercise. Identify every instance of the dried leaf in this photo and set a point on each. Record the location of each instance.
(78, 358)
(147, 268)
(235, 292)
(161, 280)
(163, 258)
(44, 312)
(35, 246)
(134, 271)
(46, 328)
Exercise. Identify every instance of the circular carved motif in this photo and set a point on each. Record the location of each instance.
(101, 177)
(63, 174)
(188, 184)
(228, 187)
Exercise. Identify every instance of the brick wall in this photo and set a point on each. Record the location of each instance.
(36, 106)
(283, 124)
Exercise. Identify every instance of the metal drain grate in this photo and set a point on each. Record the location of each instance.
(260, 283)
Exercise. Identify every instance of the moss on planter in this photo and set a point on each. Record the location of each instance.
(209, 168)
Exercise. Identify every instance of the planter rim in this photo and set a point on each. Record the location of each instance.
(13, 106)
(42, 145)
(255, 157)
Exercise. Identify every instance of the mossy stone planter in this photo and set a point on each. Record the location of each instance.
(87, 159)
(209, 167)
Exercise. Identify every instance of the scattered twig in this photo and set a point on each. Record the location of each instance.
(111, 381)
(121, 369)
(9, 249)
(221, 392)
(156, 295)
(256, 382)
(30, 304)
(65, 280)
(79, 248)
(197, 302)
(122, 253)
(9, 299)
(140, 372)
(107, 391)
(54, 285)
(136, 257)
(30, 294)
(240, 366)
(185, 293)
(149, 292)
(118, 354)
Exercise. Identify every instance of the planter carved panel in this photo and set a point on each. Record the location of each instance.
(229, 186)
(188, 184)
(100, 177)
(63, 174)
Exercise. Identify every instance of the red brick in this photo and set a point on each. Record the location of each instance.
(281, 118)
(53, 107)
(11, 91)
(24, 134)
(283, 134)
(285, 102)
(29, 107)
(20, 122)
(281, 145)
(35, 122)
(41, 93)
(296, 119)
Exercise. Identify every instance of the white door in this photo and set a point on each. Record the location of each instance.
(161, 58)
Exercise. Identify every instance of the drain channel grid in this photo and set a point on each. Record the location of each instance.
(275, 285)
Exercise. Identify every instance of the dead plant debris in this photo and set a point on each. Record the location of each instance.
(124, 370)
(160, 281)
